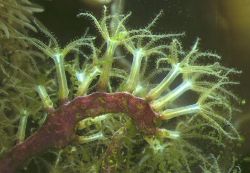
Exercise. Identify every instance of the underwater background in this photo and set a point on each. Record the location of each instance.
(222, 25)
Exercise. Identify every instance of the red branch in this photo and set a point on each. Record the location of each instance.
(59, 130)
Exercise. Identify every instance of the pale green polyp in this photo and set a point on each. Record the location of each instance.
(22, 126)
(107, 64)
(47, 103)
(172, 113)
(163, 86)
(172, 95)
(90, 138)
(170, 134)
(133, 78)
(90, 121)
(85, 80)
(83, 83)
(61, 76)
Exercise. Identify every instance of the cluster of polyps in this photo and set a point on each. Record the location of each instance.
(206, 80)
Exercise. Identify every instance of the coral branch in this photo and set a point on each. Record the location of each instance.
(59, 130)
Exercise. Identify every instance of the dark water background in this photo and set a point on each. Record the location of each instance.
(222, 25)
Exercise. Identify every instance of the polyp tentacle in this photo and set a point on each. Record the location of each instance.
(161, 87)
(176, 112)
(172, 95)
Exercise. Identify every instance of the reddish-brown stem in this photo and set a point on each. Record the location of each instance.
(59, 130)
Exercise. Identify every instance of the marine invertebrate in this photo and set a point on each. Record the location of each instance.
(161, 133)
